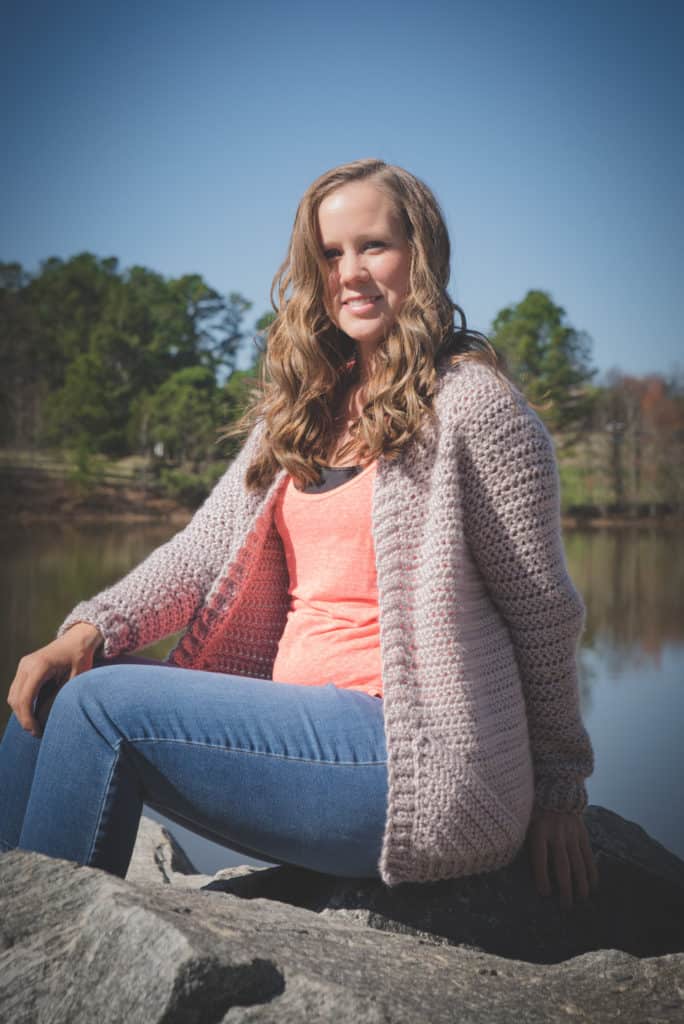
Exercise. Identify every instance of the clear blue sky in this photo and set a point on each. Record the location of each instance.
(180, 136)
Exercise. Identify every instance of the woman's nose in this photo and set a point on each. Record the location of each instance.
(352, 267)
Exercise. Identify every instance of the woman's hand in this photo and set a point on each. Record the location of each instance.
(61, 660)
(562, 840)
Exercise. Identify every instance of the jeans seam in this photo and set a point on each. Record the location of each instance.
(211, 836)
(258, 753)
(105, 794)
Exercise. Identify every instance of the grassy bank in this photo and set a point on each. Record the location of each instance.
(58, 486)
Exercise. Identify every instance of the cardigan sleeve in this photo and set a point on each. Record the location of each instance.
(511, 507)
(161, 595)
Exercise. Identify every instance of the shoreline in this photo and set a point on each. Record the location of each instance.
(163, 511)
(621, 522)
(28, 501)
(167, 511)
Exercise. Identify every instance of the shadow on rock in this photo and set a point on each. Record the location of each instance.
(639, 906)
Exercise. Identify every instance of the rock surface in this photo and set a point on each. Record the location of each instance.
(639, 907)
(283, 945)
(159, 859)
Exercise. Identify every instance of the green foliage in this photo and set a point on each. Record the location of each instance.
(190, 489)
(123, 358)
(238, 391)
(579, 484)
(182, 414)
(223, 337)
(87, 472)
(548, 358)
(264, 322)
(110, 362)
(87, 405)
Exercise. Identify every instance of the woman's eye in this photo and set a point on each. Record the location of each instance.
(332, 254)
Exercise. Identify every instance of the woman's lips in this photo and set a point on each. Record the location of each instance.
(360, 306)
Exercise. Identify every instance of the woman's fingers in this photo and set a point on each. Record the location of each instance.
(60, 660)
(538, 851)
(584, 870)
(24, 689)
(569, 867)
(562, 841)
(561, 870)
(588, 855)
(33, 671)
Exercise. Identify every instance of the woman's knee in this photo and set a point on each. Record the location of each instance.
(85, 694)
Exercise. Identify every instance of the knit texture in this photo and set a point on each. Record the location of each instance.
(479, 623)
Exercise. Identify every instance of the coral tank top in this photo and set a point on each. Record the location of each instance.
(332, 632)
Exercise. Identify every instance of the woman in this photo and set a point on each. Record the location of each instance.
(377, 673)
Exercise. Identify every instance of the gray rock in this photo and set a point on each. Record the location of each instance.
(158, 858)
(639, 907)
(78, 945)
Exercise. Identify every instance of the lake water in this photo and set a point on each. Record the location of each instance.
(631, 660)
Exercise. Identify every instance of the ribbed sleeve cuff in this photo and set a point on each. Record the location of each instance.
(564, 795)
(119, 638)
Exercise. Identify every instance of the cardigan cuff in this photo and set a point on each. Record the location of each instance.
(565, 795)
(119, 638)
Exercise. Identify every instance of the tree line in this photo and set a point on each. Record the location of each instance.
(116, 361)
(100, 359)
(621, 442)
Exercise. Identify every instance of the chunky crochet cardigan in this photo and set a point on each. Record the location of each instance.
(479, 623)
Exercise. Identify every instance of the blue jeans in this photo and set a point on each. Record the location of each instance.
(285, 773)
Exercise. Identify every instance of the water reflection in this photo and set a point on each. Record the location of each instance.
(632, 582)
(50, 569)
(632, 657)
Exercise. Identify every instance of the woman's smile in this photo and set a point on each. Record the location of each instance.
(362, 306)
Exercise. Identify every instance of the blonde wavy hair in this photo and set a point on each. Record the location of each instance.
(309, 363)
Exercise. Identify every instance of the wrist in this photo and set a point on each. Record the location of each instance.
(88, 634)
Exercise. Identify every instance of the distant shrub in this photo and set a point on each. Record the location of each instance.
(189, 489)
(86, 472)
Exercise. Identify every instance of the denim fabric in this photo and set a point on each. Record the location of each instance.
(284, 773)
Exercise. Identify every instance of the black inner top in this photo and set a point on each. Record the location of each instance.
(331, 477)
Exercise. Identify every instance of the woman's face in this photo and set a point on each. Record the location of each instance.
(368, 261)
